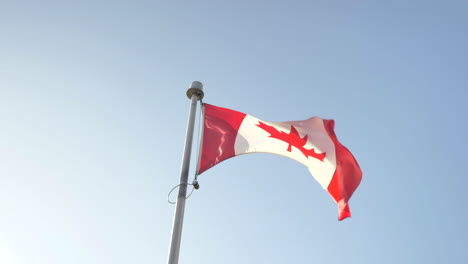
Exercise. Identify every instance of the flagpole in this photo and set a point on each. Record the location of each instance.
(194, 93)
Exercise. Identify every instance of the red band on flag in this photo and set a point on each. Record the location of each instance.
(219, 135)
(347, 175)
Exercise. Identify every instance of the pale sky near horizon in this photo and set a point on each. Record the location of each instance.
(93, 114)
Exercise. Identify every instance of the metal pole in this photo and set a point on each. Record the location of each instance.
(195, 93)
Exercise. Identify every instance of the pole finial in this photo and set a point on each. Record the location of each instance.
(195, 88)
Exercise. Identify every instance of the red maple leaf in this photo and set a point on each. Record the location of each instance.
(293, 139)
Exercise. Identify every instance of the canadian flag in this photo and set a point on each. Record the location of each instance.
(312, 142)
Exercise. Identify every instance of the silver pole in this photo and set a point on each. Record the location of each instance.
(195, 93)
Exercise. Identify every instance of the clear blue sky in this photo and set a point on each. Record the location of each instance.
(93, 115)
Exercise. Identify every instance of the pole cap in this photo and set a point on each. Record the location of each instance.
(195, 88)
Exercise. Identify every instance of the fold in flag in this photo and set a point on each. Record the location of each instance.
(312, 142)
